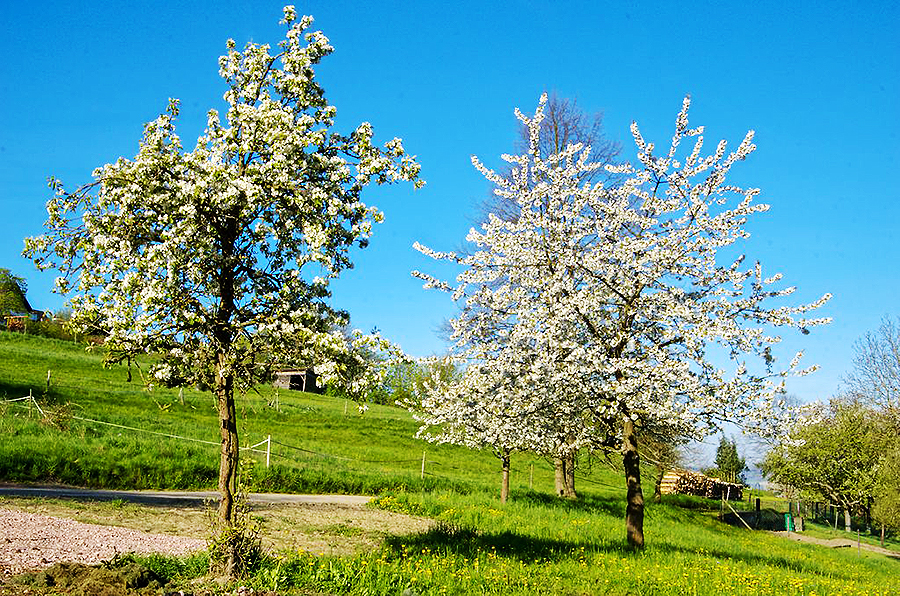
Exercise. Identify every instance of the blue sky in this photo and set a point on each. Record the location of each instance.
(818, 81)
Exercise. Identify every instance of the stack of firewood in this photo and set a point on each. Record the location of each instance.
(684, 482)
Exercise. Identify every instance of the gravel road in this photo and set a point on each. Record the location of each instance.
(29, 541)
(150, 497)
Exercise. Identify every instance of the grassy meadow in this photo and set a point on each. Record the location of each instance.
(535, 544)
(320, 444)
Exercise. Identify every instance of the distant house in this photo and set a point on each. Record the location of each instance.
(298, 380)
(15, 311)
(18, 321)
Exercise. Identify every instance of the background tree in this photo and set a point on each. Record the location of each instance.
(835, 455)
(886, 508)
(604, 300)
(875, 376)
(12, 293)
(219, 259)
(407, 382)
(729, 465)
(564, 124)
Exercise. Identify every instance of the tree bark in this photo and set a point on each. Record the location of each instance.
(559, 480)
(634, 509)
(229, 454)
(504, 486)
(846, 519)
(657, 487)
(570, 476)
(224, 385)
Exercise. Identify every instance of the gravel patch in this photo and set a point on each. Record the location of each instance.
(30, 542)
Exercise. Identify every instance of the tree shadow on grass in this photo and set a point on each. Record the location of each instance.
(471, 543)
(10, 390)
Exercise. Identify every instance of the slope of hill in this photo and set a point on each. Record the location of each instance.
(99, 432)
(536, 544)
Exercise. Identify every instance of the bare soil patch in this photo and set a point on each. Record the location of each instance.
(31, 541)
(45, 528)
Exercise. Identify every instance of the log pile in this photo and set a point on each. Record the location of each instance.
(684, 482)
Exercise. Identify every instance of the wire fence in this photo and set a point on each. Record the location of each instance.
(266, 447)
(29, 401)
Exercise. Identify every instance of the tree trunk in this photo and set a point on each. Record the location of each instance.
(504, 486)
(634, 510)
(882, 535)
(846, 519)
(229, 455)
(570, 476)
(224, 338)
(559, 480)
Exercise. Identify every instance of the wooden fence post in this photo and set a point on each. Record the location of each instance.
(423, 465)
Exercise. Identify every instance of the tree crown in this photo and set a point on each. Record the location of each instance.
(600, 302)
(228, 248)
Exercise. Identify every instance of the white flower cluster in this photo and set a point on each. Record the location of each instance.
(219, 258)
(594, 304)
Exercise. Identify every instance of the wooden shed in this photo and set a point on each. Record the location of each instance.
(298, 380)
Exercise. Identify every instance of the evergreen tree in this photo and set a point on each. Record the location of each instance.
(730, 466)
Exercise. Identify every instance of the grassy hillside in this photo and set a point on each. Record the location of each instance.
(536, 544)
(319, 443)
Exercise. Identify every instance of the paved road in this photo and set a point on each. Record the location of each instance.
(172, 498)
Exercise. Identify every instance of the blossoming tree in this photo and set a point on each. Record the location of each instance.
(219, 259)
(610, 304)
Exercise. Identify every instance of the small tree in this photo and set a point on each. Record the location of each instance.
(219, 259)
(478, 410)
(604, 301)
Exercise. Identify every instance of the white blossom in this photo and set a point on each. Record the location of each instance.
(595, 304)
(219, 258)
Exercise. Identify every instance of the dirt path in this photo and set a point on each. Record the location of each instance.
(838, 543)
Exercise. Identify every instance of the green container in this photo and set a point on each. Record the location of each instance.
(788, 522)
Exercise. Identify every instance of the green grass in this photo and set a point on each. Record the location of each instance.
(542, 546)
(351, 453)
(535, 544)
